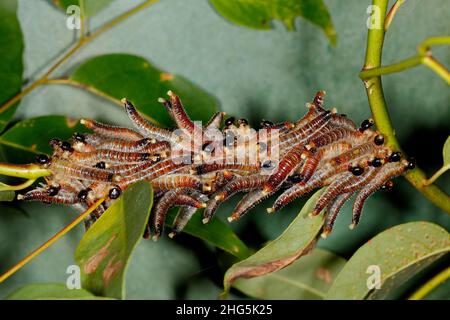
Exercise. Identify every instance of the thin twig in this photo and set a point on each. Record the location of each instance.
(52, 240)
(81, 42)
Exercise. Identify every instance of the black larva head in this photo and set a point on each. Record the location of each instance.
(376, 162)
(79, 137)
(395, 156)
(357, 170)
(83, 194)
(208, 147)
(411, 163)
(53, 191)
(100, 165)
(229, 121)
(366, 124)
(379, 139)
(296, 178)
(66, 146)
(115, 192)
(42, 159)
(267, 164)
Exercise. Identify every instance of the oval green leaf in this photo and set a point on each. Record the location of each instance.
(105, 250)
(49, 291)
(308, 278)
(217, 232)
(132, 77)
(91, 7)
(31, 136)
(259, 13)
(397, 253)
(297, 240)
(11, 51)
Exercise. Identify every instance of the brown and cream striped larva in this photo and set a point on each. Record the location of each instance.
(321, 149)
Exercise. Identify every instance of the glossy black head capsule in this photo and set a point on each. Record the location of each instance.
(83, 194)
(267, 164)
(411, 163)
(395, 157)
(53, 190)
(100, 165)
(296, 178)
(366, 124)
(229, 121)
(79, 137)
(376, 162)
(379, 139)
(357, 170)
(66, 146)
(115, 192)
(42, 159)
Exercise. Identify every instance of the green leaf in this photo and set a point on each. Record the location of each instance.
(11, 51)
(49, 291)
(91, 7)
(216, 232)
(104, 251)
(399, 253)
(297, 240)
(6, 195)
(132, 77)
(259, 13)
(31, 136)
(306, 279)
(446, 152)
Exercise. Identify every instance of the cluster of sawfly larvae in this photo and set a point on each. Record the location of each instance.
(323, 148)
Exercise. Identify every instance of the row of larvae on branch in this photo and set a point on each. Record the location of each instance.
(321, 149)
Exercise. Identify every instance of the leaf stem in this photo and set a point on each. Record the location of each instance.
(390, 16)
(26, 184)
(431, 285)
(83, 40)
(396, 67)
(27, 171)
(437, 174)
(377, 102)
(52, 240)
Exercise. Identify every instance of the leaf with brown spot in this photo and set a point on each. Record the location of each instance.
(308, 278)
(398, 253)
(105, 250)
(297, 240)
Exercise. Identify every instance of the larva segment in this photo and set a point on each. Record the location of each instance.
(110, 156)
(142, 125)
(42, 195)
(111, 131)
(333, 211)
(215, 121)
(125, 146)
(79, 171)
(248, 202)
(168, 200)
(176, 181)
(182, 219)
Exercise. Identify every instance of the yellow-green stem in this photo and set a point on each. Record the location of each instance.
(431, 285)
(377, 102)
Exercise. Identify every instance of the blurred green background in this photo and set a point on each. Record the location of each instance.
(253, 74)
